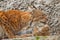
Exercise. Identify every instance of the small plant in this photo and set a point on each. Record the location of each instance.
(37, 37)
(41, 37)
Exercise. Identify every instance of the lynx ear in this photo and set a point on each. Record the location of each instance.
(43, 31)
(45, 28)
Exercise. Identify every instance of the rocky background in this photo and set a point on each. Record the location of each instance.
(50, 7)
